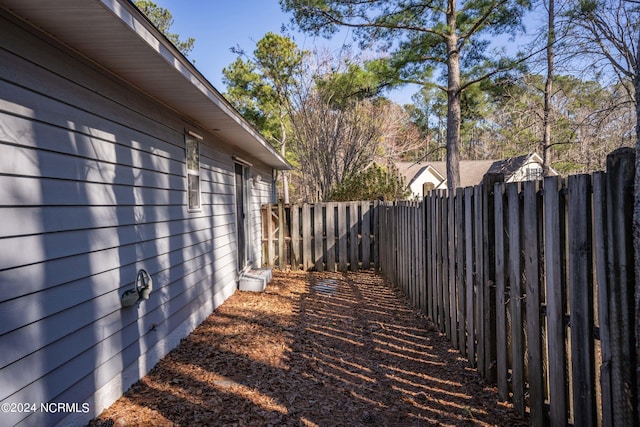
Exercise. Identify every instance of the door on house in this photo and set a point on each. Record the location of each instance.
(241, 217)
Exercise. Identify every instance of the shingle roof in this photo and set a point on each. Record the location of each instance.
(410, 170)
(508, 166)
(471, 171)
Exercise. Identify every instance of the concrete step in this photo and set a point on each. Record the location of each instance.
(255, 280)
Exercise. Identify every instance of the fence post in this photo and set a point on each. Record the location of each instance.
(619, 200)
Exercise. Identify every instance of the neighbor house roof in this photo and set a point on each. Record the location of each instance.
(118, 37)
(411, 170)
(471, 171)
(508, 167)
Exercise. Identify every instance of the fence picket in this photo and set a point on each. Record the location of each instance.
(515, 299)
(620, 172)
(501, 316)
(296, 258)
(600, 248)
(479, 279)
(460, 273)
(444, 218)
(318, 236)
(342, 237)
(330, 215)
(366, 235)
(451, 251)
(307, 261)
(581, 300)
(354, 262)
(531, 251)
(468, 245)
(430, 257)
(488, 251)
(282, 257)
(555, 302)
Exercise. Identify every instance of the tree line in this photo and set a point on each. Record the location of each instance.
(568, 94)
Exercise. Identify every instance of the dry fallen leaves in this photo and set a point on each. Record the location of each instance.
(315, 349)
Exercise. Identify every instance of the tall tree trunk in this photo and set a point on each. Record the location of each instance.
(283, 152)
(636, 218)
(548, 88)
(453, 100)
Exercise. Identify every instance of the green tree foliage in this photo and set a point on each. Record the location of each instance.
(441, 43)
(374, 183)
(355, 83)
(163, 20)
(260, 88)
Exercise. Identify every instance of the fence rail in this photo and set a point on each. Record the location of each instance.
(532, 282)
(324, 236)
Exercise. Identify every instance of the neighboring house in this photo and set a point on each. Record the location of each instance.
(116, 155)
(422, 177)
(521, 168)
(419, 178)
(471, 172)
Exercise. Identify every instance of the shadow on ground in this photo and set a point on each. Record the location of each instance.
(316, 349)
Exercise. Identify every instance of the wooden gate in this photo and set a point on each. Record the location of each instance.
(324, 236)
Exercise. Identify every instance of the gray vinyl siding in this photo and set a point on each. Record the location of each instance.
(93, 188)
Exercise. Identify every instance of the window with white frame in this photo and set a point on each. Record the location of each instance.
(192, 148)
(533, 173)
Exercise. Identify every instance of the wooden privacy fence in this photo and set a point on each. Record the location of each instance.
(323, 236)
(533, 283)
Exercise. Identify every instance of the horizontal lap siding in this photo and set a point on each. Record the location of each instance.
(92, 188)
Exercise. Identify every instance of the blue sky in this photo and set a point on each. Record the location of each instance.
(218, 25)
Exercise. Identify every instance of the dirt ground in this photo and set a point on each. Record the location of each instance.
(315, 349)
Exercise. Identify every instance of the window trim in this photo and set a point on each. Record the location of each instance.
(193, 140)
